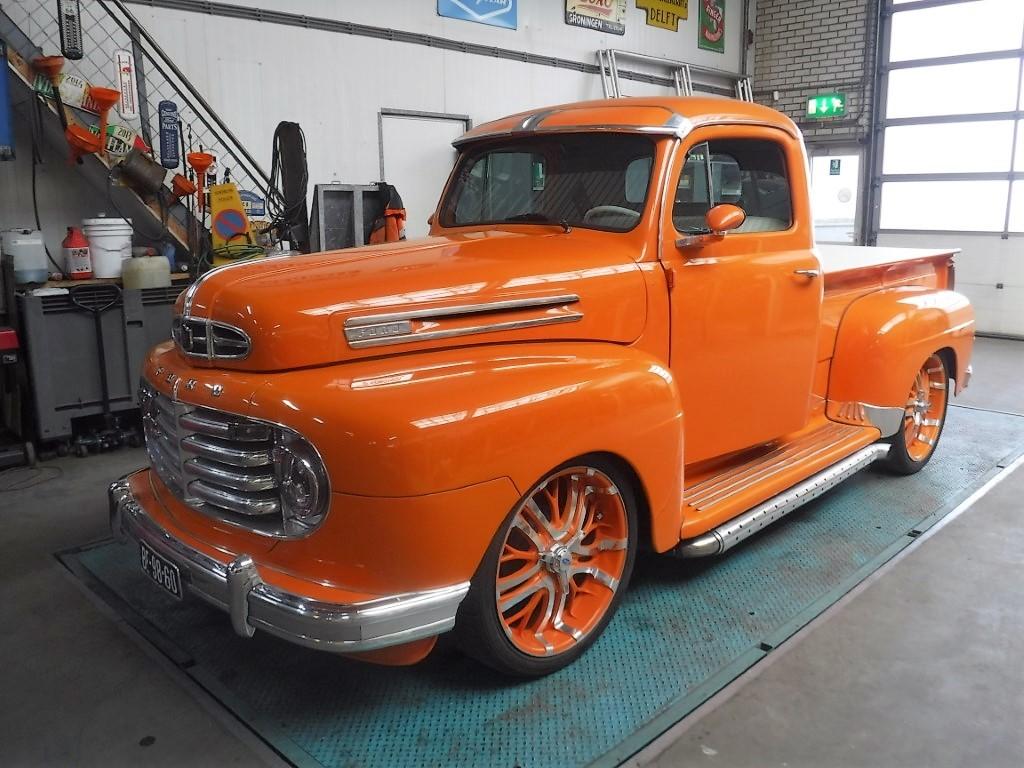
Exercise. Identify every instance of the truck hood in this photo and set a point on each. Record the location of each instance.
(467, 288)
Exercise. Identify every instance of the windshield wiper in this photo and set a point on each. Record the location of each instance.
(538, 218)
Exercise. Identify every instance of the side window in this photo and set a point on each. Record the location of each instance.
(638, 175)
(749, 173)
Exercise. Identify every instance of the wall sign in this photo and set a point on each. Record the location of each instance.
(834, 167)
(826, 105)
(711, 35)
(665, 14)
(600, 15)
(496, 13)
(252, 204)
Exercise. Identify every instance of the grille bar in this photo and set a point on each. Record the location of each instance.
(216, 462)
(229, 478)
(242, 504)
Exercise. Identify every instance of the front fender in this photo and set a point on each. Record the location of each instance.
(412, 425)
(885, 337)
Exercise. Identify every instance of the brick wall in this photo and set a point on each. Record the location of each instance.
(804, 47)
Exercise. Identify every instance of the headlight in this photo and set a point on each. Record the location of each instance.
(301, 482)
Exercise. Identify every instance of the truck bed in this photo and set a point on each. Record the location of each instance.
(847, 258)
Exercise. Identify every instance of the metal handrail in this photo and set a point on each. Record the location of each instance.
(134, 30)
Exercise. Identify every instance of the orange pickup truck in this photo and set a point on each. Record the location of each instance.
(619, 335)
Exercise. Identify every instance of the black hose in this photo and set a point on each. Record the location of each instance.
(35, 133)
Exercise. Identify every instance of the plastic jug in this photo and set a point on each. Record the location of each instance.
(146, 272)
(26, 246)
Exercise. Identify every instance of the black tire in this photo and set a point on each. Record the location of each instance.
(479, 631)
(899, 461)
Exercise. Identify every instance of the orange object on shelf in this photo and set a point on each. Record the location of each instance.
(200, 162)
(82, 142)
(181, 187)
(51, 67)
(105, 98)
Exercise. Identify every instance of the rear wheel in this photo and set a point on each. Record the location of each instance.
(555, 572)
(923, 419)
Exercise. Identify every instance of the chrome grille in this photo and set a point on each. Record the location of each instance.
(218, 463)
(210, 339)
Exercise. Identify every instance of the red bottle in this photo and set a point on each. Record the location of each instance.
(77, 261)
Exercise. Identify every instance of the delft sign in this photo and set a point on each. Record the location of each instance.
(497, 13)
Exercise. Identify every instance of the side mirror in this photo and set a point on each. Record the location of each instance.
(725, 217)
(430, 220)
(721, 219)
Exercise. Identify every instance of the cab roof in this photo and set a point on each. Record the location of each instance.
(665, 116)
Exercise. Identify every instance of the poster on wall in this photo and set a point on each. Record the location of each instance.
(496, 13)
(600, 15)
(665, 14)
(711, 26)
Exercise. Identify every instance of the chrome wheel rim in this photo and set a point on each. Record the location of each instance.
(925, 409)
(562, 561)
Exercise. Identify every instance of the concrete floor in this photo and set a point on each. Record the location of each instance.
(920, 668)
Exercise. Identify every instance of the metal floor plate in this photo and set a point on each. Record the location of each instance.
(684, 631)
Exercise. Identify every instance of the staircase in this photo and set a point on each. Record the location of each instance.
(30, 29)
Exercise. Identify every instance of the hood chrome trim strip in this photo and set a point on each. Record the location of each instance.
(448, 333)
(462, 309)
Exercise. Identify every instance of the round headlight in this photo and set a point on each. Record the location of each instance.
(301, 482)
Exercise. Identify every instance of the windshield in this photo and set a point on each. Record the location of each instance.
(590, 180)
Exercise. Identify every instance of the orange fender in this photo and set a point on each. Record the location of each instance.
(439, 421)
(885, 337)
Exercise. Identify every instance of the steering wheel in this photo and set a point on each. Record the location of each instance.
(599, 212)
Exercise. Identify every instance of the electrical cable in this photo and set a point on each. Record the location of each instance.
(35, 133)
(32, 476)
(280, 210)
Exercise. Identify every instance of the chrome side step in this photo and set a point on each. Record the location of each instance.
(731, 533)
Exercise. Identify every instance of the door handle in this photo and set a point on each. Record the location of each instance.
(808, 273)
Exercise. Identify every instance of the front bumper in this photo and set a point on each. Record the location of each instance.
(236, 587)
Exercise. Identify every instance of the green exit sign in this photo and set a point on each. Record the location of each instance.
(826, 105)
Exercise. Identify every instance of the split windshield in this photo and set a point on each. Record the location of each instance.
(589, 180)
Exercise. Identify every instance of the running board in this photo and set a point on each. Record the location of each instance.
(728, 535)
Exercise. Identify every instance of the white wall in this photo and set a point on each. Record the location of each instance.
(256, 74)
(986, 262)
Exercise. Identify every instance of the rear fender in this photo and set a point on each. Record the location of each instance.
(427, 423)
(883, 340)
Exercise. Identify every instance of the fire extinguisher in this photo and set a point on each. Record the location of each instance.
(77, 261)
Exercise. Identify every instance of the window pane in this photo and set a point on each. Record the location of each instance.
(953, 205)
(950, 30)
(750, 173)
(948, 147)
(1017, 207)
(574, 180)
(953, 89)
(1018, 154)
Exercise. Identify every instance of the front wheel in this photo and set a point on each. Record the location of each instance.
(923, 419)
(554, 573)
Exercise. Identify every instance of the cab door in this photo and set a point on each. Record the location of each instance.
(745, 307)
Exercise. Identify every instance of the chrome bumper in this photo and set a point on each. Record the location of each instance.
(236, 587)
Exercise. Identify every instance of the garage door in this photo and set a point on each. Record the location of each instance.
(416, 157)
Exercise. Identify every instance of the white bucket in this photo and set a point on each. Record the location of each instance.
(110, 243)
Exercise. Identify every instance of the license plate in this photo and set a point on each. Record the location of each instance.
(160, 570)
